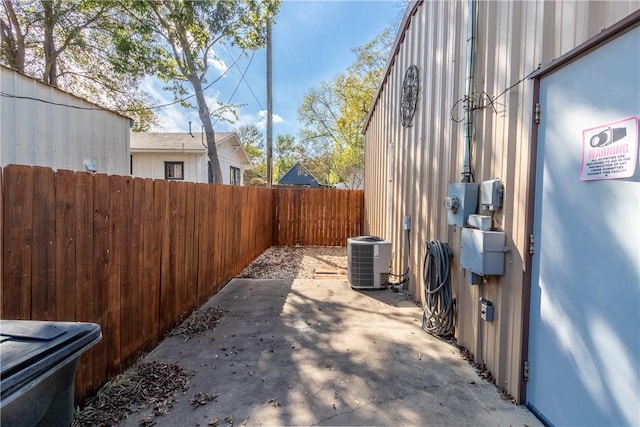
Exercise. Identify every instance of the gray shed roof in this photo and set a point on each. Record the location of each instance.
(177, 141)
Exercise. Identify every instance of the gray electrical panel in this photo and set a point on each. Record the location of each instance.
(461, 201)
(491, 195)
(482, 252)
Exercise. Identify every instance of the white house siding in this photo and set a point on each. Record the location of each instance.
(230, 156)
(40, 133)
(151, 165)
(407, 169)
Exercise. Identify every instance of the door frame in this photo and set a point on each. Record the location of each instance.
(588, 46)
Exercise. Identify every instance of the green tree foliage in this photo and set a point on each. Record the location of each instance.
(252, 140)
(175, 40)
(286, 152)
(333, 114)
(67, 44)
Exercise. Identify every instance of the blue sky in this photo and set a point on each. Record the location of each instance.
(312, 41)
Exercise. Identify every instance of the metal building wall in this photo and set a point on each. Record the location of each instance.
(407, 169)
(34, 132)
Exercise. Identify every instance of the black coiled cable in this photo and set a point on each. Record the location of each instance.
(439, 310)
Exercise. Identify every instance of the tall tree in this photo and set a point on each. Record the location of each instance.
(68, 44)
(333, 113)
(12, 32)
(175, 40)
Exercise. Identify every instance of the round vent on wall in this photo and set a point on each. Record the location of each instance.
(409, 98)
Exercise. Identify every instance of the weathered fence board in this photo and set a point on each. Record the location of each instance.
(136, 255)
(43, 301)
(65, 248)
(18, 241)
(1, 247)
(318, 216)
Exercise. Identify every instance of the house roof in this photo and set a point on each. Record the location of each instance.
(298, 175)
(183, 142)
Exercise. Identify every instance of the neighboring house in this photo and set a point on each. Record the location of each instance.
(183, 156)
(44, 126)
(463, 101)
(299, 176)
(355, 183)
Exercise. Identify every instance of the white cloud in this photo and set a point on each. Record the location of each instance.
(262, 121)
(172, 118)
(217, 63)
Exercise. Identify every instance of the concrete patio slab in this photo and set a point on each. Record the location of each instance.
(316, 352)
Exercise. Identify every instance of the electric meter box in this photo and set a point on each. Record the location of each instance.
(482, 252)
(461, 201)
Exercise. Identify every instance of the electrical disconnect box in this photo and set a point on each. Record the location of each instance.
(406, 223)
(482, 253)
(461, 201)
(491, 195)
(486, 310)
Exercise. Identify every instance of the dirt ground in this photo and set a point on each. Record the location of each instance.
(280, 262)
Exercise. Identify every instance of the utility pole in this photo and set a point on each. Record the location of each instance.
(269, 109)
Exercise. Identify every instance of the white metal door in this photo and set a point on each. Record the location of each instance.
(584, 343)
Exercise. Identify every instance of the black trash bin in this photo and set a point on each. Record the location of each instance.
(38, 362)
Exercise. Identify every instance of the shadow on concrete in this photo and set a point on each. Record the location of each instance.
(316, 352)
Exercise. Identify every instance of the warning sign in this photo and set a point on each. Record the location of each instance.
(610, 151)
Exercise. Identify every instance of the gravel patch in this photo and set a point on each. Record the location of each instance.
(281, 262)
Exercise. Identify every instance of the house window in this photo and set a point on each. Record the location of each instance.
(173, 170)
(235, 176)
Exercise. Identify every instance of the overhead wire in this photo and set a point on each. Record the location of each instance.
(246, 81)
(492, 100)
(238, 85)
(127, 110)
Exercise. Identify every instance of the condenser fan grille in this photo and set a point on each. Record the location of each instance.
(360, 260)
(368, 260)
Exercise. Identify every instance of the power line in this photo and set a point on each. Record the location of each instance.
(246, 81)
(128, 110)
(187, 97)
(238, 85)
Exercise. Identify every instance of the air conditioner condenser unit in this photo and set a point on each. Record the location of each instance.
(368, 262)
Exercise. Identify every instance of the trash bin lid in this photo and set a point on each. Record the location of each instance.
(30, 348)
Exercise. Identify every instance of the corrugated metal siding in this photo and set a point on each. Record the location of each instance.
(407, 169)
(58, 136)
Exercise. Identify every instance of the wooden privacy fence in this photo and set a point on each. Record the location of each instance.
(318, 216)
(136, 255)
